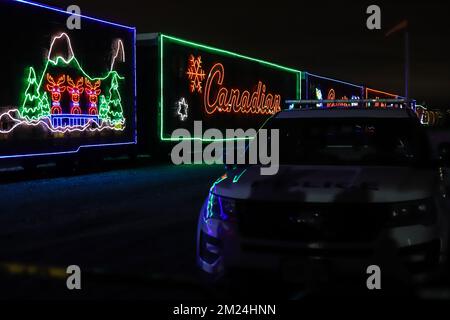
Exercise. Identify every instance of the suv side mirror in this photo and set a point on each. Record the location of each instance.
(444, 154)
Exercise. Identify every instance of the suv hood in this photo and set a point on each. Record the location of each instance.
(328, 184)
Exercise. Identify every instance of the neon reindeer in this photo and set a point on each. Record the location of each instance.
(75, 91)
(56, 88)
(93, 91)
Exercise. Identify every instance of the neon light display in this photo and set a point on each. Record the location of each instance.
(55, 89)
(332, 96)
(319, 96)
(231, 100)
(93, 91)
(333, 89)
(224, 90)
(377, 94)
(195, 73)
(35, 106)
(75, 91)
(52, 102)
(183, 109)
(36, 103)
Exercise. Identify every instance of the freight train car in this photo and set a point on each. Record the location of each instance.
(378, 94)
(181, 83)
(324, 88)
(64, 90)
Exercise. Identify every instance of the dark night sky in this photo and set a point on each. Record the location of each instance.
(324, 37)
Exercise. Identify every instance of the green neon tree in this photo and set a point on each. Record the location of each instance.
(103, 108)
(115, 112)
(45, 105)
(35, 105)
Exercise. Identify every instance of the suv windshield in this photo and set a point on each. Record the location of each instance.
(343, 141)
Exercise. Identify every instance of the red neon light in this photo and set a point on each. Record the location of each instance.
(75, 90)
(56, 110)
(56, 88)
(379, 92)
(195, 73)
(332, 96)
(93, 111)
(93, 91)
(75, 110)
(232, 100)
(377, 96)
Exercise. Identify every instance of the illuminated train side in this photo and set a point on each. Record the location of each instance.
(68, 91)
(66, 104)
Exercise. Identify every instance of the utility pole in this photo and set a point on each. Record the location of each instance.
(407, 65)
(403, 25)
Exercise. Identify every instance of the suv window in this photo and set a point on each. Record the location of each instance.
(351, 141)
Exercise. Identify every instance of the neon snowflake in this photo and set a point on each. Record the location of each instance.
(195, 73)
(183, 109)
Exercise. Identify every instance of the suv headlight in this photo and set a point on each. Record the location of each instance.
(410, 213)
(220, 208)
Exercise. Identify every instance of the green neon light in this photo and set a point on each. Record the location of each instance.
(35, 104)
(32, 110)
(214, 50)
(239, 176)
(226, 52)
(115, 110)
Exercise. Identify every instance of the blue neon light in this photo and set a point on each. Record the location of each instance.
(31, 155)
(334, 80)
(73, 14)
(135, 88)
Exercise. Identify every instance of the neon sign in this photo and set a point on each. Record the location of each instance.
(332, 96)
(222, 89)
(232, 100)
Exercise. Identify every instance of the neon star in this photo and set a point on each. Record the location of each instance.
(183, 109)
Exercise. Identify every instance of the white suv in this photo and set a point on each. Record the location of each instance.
(355, 187)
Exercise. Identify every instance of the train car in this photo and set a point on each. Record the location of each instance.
(324, 88)
(67, 88)
(182, 83)
(377, 94)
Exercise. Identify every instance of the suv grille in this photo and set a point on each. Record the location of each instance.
(338, 222)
